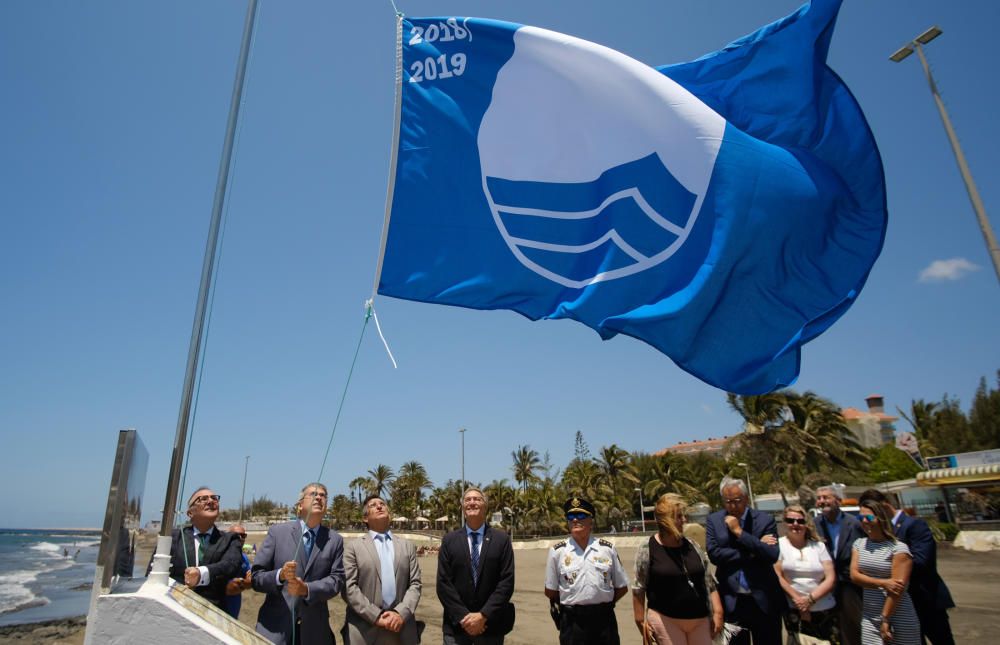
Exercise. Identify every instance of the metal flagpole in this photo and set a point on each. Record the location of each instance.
(243, 492)
(183, 417)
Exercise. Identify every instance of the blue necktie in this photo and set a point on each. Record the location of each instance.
(308, 537)
(475, 558)
(385, 556)
(744, 585)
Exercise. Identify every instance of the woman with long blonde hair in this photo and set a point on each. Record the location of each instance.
(806, 575)
(674, 600)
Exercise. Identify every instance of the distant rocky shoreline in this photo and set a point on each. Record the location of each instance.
(62, 630)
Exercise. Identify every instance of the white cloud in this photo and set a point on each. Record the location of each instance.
(707, 408)
(943, 270)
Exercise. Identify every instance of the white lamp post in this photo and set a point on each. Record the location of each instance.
(749, 487)
(977, 202)
(642, 510)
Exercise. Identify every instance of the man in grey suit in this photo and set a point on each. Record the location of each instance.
(299, 566)
(382, 587)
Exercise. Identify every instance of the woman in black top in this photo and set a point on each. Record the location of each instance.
(674, 598)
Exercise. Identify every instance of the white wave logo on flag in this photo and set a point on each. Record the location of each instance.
(588, 175)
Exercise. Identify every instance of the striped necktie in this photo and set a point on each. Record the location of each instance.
(475, 557)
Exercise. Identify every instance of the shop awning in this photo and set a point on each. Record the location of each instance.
(960, 475)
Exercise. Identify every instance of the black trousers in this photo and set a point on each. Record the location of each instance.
(821, 624)
(849, 605)
(934, 625)
(457, 636)
(588, 625)
(765, 628)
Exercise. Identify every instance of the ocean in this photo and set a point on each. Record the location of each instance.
(45, 574)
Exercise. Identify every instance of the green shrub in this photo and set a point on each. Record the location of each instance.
(943, 531)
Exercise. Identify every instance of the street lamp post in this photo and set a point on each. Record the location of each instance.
(244, 490)
(749, 486)
(977, 202)
(642, 509)
(461, 431)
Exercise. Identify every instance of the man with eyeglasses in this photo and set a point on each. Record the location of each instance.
(201, 556)
(383, 585)
(236, 586)
(586, 578)
(475, 578)
(838, 530)
(743, 545)
(300, 566)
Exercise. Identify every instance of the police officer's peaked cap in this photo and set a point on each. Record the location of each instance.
(578, 505)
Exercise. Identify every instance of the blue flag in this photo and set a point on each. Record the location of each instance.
(725, 211)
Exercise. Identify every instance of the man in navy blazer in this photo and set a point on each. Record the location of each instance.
(930, 595)
(743, 545)
(476, 599)
(299, 566)
(838, 530)
(202, 556)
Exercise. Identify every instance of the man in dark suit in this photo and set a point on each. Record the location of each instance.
(299, 566)
(475, 578)
(383, 585)
(838, 531)
(743, 545)
(201, 556)
(930, 595)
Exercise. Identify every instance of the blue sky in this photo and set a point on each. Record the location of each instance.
(111, 127)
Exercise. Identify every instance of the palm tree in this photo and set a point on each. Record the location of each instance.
(501, 495)
(615, 465)
(411, 482)
(526, 463)
(793, 436)
(921, 417)
(583, 478)
(671, 473)
(381, 477)
(361, 485)
(759, 411)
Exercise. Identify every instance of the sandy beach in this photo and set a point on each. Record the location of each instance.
(970, 576)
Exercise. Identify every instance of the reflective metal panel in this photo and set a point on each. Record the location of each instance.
(116, 557)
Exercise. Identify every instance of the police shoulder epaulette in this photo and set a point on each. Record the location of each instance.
(559, 545)
(604, 542)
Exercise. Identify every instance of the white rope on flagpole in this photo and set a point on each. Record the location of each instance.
(371, 307)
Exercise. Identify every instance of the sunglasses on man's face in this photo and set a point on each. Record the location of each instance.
(242, 536)
(573, 517)
(795, 520)
(868, 517)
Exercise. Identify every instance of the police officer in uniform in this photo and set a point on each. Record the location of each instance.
(585, 576)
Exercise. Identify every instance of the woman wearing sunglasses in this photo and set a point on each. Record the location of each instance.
(672, 576)
(881, 565)
(806, 575)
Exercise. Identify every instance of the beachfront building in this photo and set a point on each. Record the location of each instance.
(970, 482)
(710, 446)
(873, 428)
